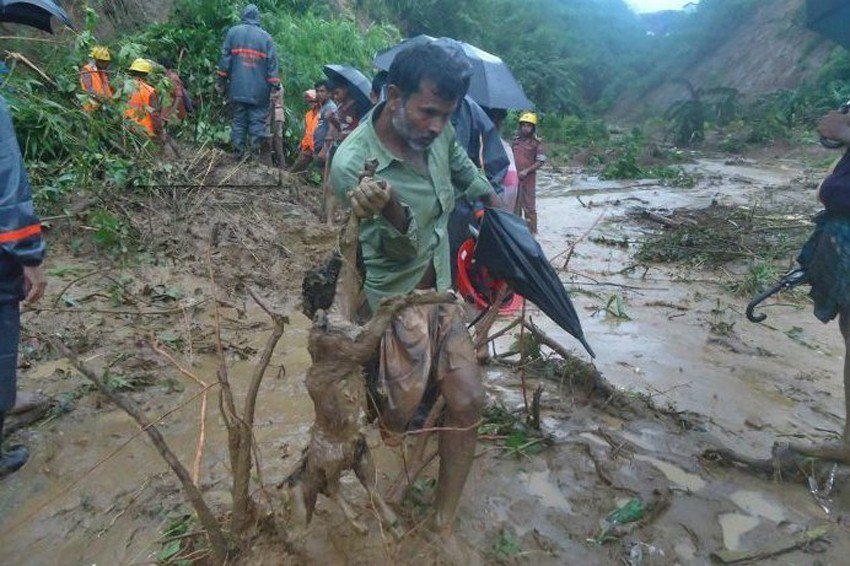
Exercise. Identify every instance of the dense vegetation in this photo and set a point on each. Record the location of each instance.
(575, 59)
(67, 148)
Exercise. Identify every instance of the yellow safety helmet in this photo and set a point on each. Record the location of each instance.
(100, 53)
(529, 118)
(142, 66)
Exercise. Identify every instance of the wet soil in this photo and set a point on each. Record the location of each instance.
(674, 339)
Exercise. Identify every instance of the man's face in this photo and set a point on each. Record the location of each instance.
(419, 119)
(101, 64)
(526, 129)
(321, 94)
(340, 94)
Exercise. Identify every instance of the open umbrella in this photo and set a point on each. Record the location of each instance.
(509, 251)
(492, 83)
(34, 13)
(354, 78)
(830, 18)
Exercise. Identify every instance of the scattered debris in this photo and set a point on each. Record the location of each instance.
(800, 541)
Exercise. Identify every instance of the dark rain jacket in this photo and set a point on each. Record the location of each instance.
(249, 60)
(472, 125)
(20, 229)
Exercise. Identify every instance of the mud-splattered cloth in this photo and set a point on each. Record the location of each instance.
(826, 258)
(422, 345)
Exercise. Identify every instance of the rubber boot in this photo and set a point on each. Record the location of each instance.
(14, 458)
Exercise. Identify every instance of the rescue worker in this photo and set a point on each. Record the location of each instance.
(311, 119)
(143, 107)
(404, 212)
(94, 78)
(249, 69)
(530, 155)
(21, 275)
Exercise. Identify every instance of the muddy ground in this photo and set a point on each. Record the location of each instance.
(693, 374)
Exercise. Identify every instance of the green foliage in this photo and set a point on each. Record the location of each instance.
(573, 131)
(507, 546)
(111, 233)
(624, 165)
(687, 118)
(760, 275)
(515, 435)
(616, 307)
(716, 235)
(556, 49)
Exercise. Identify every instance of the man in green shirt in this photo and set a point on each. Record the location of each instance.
(405, 209)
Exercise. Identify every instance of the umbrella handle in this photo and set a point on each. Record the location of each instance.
(751, 316)
(789, 281)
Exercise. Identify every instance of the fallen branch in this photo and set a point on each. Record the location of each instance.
(241, 459)
(482, 329)
(22, 58)
(218, 542)
(802, 540)
(514, 323)
(202, 434)
(569, 251)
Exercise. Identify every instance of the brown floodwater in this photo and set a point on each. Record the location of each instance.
(95, 491)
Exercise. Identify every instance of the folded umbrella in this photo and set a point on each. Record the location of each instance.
(830, 18)
(509, 251)
(34, 13)
(492, 83)
(362, 86)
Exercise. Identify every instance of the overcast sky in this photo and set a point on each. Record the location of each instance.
(656, 5)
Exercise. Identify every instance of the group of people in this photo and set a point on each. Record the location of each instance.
(144, 107)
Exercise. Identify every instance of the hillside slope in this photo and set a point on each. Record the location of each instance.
(769, 52)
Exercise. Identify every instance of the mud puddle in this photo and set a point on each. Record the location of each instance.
(87, 498)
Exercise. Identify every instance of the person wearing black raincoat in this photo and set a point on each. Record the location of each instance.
(826, 257)
(249, 69)
(473, 128)
(21, 275)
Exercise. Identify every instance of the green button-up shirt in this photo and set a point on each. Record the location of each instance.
(396, 262)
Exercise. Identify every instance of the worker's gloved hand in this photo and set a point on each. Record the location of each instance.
(370, 197)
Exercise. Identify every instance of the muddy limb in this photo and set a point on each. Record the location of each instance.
(835, 452)
(800, 541)
(597, 383)
(218, 542)
(787, 461)
(663, 220)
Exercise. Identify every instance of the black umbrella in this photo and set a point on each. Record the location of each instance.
(492, 83)
(509, 251)
(830, 18)
(353, 78)
(35, 13)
